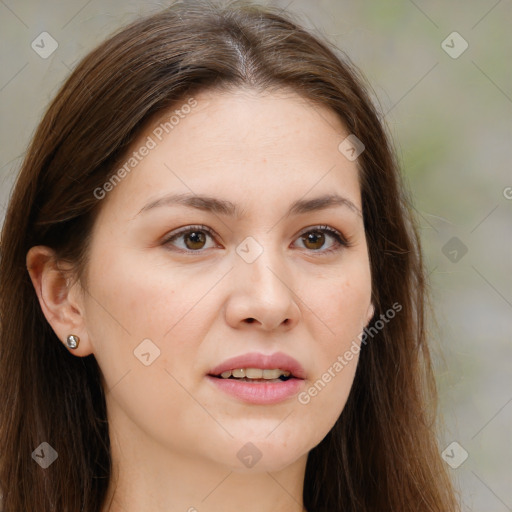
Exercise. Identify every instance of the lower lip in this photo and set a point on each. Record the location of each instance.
(263, 393)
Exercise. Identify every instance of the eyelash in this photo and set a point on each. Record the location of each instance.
(341, 241)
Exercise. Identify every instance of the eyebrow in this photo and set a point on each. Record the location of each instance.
(225, 207)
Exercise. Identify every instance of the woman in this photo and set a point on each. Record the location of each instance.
(212, 292)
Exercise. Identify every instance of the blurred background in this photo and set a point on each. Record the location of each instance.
(441, 75)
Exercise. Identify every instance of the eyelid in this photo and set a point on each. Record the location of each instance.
(341, 240)
(186, 229)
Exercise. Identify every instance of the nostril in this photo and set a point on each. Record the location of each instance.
(250, 320)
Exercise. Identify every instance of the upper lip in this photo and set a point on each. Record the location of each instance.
(279, 360)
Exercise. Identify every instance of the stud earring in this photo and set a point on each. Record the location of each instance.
(72, 341)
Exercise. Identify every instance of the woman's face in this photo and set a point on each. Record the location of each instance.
(241, 264)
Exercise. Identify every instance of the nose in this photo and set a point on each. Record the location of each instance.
(262, 294)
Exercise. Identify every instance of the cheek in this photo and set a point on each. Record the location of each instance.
(325, 396)
(342, 309)
(138, 308)
(134, 311)
(342, 302)
(146, 301)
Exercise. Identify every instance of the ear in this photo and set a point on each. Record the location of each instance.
(60, 301)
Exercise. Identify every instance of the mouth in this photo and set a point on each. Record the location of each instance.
(258, 367)
(258, 378)
(256, 375)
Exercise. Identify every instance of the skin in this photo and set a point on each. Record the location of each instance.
(175, 437)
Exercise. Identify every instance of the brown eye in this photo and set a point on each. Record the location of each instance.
(192, 239)
(314, 240)
(196, 239)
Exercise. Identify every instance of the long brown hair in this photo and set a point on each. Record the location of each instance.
(381, 455)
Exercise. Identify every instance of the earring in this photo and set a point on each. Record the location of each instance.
(72, 341)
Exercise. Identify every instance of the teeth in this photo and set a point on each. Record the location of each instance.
(273, 374)
(255, 373)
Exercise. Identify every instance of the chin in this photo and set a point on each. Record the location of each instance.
(269, 463)
(265, 453)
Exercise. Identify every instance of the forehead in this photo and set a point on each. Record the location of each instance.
(254, 118)
(241, 144)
